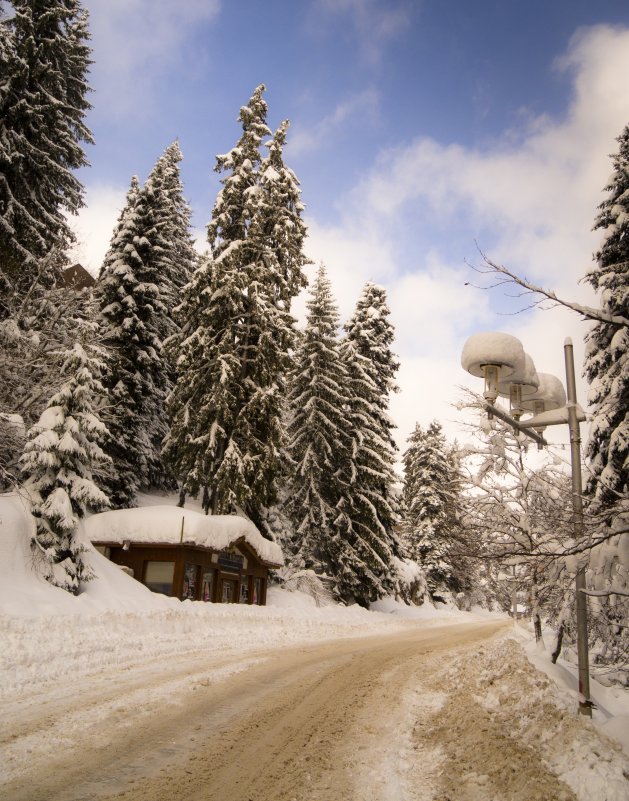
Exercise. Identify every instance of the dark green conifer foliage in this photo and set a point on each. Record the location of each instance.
(372, 333)
(319, 443)
(237, 331)
(430, 521)
(607, 343)
(150, 259)
(44, 59)
(173, 247)
(61, 453)
(368, 510)
(131, 312)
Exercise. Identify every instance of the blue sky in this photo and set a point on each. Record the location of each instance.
(417, 130)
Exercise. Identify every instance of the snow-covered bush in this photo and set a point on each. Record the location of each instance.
(308, 582)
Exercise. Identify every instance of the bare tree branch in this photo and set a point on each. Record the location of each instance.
(508, 277)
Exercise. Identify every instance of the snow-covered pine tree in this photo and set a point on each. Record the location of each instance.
(607, 343)
(61, 453)
(131, 315)
(319, 442)
(237, 330)
(173, 260)
(44, 57)
(173, 246)
(31, 341)
(430, 515)
(280, 227)
(369, 509)
(372, 332)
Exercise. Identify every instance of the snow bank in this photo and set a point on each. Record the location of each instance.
(25, 594)
(171, 524)
(522, 726)
(611, 704)
(118, 622)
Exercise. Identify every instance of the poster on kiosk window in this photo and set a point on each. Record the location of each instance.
(189, 582)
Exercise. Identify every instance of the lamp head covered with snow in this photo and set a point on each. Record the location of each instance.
(509, 372)
(495, 357)
(549, 395)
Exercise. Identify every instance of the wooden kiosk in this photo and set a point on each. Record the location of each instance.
(186, 554)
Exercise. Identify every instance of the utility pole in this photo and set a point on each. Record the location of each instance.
(585, 702)
(492, 353)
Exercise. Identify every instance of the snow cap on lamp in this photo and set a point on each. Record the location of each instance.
(493, 356)
(549, 395)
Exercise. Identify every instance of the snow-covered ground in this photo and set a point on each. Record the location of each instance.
(117, 625)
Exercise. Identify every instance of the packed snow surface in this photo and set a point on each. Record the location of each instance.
(117, 627)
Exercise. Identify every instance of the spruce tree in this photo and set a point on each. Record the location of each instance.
(173, 247)
(430, 519)
(44, 57)
(61, 453)
(369, 509)
(607, 343)
(371, 365)
(131, 309)
(318, 442)
(237, 331)
(172, 261)
(372, 333)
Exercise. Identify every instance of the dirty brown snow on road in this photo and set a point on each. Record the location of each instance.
(373, 719)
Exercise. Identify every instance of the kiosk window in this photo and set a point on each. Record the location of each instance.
(206, 588)
(158, 576)
(228, 592)
(189, 589)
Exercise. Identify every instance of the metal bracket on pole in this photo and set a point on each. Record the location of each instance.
(522, 428)
(556, 417)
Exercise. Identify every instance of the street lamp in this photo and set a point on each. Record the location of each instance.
(523, 382)
(549, 396)
(509, 372)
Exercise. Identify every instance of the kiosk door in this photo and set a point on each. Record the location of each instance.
(228, 591)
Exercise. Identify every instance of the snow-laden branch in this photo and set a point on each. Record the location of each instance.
(509, 277)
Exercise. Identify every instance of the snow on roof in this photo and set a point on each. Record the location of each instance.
(163, 524)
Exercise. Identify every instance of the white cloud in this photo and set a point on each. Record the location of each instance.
(537, 196)
(303, 140)
(530, 201)
(432, 308)
(95, 223)
(375, 23)
(135, 41)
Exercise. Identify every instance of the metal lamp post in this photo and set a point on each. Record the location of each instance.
(509, 372)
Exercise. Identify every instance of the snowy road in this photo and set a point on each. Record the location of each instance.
(416, 715)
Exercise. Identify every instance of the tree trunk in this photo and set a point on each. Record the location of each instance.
(555, 654)
(206, 501)
(537, 624)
